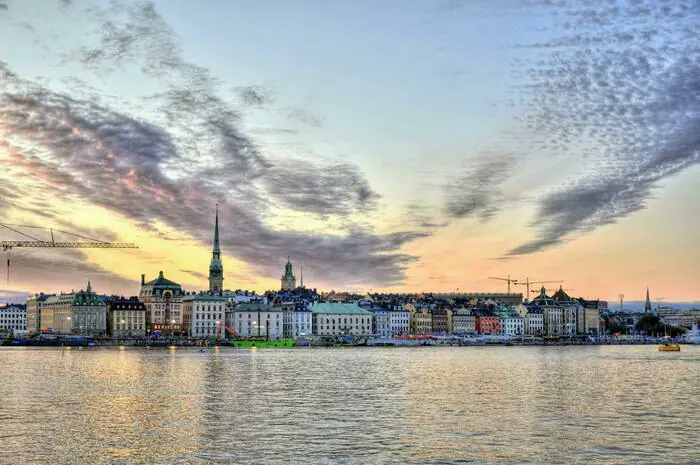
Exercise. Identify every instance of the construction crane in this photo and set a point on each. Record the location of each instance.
(7, 246)
(527, 283)
(552, 289)
(514, 281)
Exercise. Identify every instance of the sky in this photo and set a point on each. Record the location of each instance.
(386, 146)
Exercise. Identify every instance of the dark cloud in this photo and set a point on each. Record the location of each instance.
(254, 96)
(196, 274)
(627, 98)
(319, 189)
(477, 191)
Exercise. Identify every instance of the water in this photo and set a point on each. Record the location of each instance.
(573, 405)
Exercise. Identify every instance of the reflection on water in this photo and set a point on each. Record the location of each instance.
(422, 405)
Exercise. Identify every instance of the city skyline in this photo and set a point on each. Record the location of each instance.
(424, 154)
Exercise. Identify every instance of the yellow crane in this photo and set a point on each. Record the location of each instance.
(527, 283)
(89, 242)
(514, 281)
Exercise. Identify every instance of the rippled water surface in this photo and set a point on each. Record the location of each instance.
(573, 405)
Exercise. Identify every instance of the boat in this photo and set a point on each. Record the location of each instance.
(669, 347)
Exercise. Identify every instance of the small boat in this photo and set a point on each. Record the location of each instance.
(669, 347)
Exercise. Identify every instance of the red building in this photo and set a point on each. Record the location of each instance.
(488, 324)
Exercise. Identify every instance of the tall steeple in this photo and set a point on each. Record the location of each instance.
(302, 275)
(647, 304)
(89, 287)
(289, 281)
(216, 267)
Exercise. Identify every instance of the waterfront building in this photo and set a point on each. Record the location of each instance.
(534, 321)
(400, 325)
(441, 320)
(486, 322)
(463, 322)
(56, 314)
(381, 321)
(553, 314)
(163, 301)
(289, 281)
(204, 315)
(297, 321)
(259, 320)
(34, 304)
(572, 308)
(13, 317)
(75, 313)
(511, 322)
(126, 318)
(421, 321)
(588, 317)
(340, 319)
(679, 318)
(216, 267)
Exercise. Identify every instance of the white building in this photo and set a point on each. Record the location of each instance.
(75, 313)
(204, 315)
(553, 314)
(400, 324)
(13, 317)
(127, 318)
(259, 320)
(463, 322)
(534, 322)
(341, 319)
(381, 322)
(301, 322)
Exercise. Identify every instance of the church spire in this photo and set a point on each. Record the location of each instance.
(89, 287)
(647, 304)
(216, 231)
(216, 268)
(302, 275)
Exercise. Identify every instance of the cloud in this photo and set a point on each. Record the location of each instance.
(477, 191)
(88, 151)
(629, 101)
(196, 274)
(254, 95)
(306, 117)
(323, 190)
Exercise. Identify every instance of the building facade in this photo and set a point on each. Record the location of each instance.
(421, 321)
(512, 324)
(400, 325)
(381, 322)
(297, 321)
(487, 322)
(205, 315)
(126, 318)
(534, 322)
(441, 320)
(34, 304)
(341, 319)
(13, 318)
(463, 322)
(163, 301)
(259, 320)
(552, 314)
(75, 313)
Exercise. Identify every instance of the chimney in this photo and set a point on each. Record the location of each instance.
(143, 279)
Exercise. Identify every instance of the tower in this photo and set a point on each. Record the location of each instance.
(289, 281)
(216, 268)
(647, 304)
(302, 276)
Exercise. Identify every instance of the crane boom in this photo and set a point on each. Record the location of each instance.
(36, 242)
(6, 245)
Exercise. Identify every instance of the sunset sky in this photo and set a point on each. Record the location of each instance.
(393, 145)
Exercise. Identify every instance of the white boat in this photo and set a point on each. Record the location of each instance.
(693, 336)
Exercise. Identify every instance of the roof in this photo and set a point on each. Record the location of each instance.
(87, 298)
(256, 306)
(206, 297)
(160, 281)
(338, 308)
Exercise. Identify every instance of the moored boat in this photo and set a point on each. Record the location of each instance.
(669, 347)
